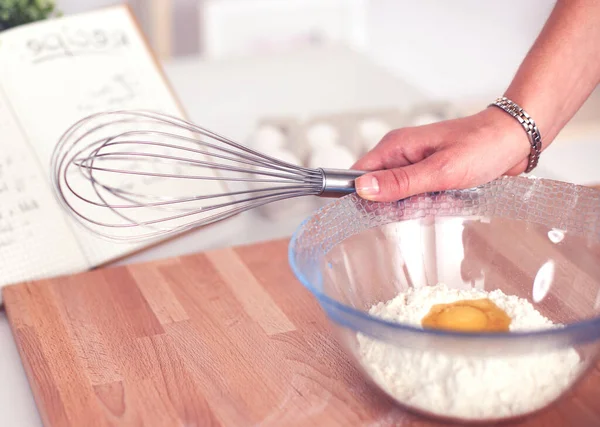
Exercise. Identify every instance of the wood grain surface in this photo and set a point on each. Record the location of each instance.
(225, 338)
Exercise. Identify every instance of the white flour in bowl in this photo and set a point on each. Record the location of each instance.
(467, 387)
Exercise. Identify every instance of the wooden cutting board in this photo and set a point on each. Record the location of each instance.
(223, 338)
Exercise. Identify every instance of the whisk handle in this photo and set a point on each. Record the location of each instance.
(338, 182)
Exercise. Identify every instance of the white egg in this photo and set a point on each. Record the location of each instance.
(426, 119)
(371, 132)
(268, 137)
(334, 157)
(322, 134)
(285, 156)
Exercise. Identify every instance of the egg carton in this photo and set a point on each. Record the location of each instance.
(423, 114)
(334, 140)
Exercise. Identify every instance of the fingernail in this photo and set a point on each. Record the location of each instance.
(367, 186)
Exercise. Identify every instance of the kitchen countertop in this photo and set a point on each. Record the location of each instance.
(240, 92)
(188, 341)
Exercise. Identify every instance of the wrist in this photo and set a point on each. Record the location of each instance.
(507, 130)
(543, 111)
(529, 125)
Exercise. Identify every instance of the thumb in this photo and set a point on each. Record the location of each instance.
(399, 183)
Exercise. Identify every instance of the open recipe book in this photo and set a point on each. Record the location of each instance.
(53, 73)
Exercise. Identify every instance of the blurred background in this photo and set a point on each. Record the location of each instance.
(460, 48)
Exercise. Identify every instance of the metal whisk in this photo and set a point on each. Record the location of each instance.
(133, 175)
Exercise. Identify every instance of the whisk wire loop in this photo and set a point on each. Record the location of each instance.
(138, 175)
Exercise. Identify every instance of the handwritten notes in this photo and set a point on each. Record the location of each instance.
(14, 186)
(117, 91)
(71, 40)
(35, 240)
(76, 66)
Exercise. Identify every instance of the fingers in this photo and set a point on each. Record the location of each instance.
(430, 174)
(389, 150)
(401, 147)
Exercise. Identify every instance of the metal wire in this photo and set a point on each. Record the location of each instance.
(137, 175)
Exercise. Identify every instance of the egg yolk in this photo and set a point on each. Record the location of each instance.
(480, 315)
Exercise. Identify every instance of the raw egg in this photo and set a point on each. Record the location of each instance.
(479, 315)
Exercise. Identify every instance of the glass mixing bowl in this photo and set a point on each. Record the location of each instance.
(538, 240)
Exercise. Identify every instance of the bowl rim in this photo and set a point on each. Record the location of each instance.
(589, 328)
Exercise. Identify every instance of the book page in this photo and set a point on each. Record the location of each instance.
(35, 240)
(65, 69)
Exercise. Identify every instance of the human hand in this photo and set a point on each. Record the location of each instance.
(453, 154)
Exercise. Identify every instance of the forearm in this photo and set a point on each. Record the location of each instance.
(562, 68)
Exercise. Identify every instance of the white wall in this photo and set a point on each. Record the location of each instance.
(426, 39)
(420, 40)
